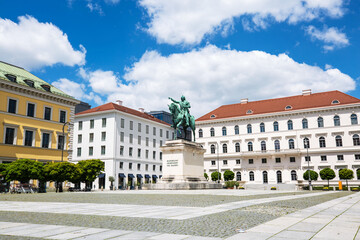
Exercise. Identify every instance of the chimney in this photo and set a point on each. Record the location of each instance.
(306, 92)
(142, 110)
(244, 100)
(119, 102)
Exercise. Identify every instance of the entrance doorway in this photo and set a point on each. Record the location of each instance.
(102, 181)
(121, 181)
(265, 177)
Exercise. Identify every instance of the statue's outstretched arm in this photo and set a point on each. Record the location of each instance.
(173, 100)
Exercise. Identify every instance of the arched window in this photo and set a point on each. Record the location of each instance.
(322, 142)
(356, 140)
(354, 119)
(263, 146)
(262, 127)
(293, 175)
(277, 145)
(265, 177)
(279, 177)
(276, 126)
(238, 176)
(224, 148)
(249, 128)
(212, 132)
(320, 121)
(224, 131)
(338, 141)
(251, 176)
(236, 129)
(306, 143)
(237, 147)
(291, 144)
(250, 146)
(212, 148)
(200, 133)
(305, 123)
(336, 120)
(290, 125)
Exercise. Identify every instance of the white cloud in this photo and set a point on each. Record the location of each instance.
(102, 82)
(32, 44)
(332, 37)
(94, 7)
(112, 1)
(188, 21)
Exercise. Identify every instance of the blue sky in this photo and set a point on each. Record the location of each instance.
(214, 52)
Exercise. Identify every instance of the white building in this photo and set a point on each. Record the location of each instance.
(262, 142)
(125, 139)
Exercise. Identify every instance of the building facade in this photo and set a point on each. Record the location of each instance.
(126, 140)
(32, 116)
(275, 141)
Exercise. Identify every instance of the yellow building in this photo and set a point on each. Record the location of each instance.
(32, 116)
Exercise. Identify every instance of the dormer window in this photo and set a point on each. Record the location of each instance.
(46, 87)
(30, 83)
(335, 101)
(249, 111)
(213, 116)
(288, 107)
(11, 78)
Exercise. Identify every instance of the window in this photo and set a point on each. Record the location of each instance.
(130, 138)
(139, 140)
(130, 151)
(80, 138)
(357, 156)
(167, 134)
(161, 143)
(237, 161)
(91, 151)
(30, 83)
(103, 136)
(121, 150)
(224, 146)
(306, 143)
(249, 111)
(161, 132)
(278, 160)
(224, 131)
(147, 141)
(122, 123)
(154, 131)
(91, 137)
(263, 146)
(225, 162)
(323, 158)
(47, 113)
(238, 176)
(12, 105)
(279, 177)
(277, 145)
(160, 168)
(9, 135)
(250, 146)
(322, 142)
(340, 157)
(237, 147)
(130, 165)
(292, 159)
(335, 102)
(45, 140)
(291, 144)
(62, 116)
(79, 152)
(356, 140)
(265, 177)
(276, 126)
(139, 152)
(103, 122)
(154, 154)
(146, 167)
(200, 133)
(212, 132)
(103, 149)
(60, 141)
(288, 107)
(139, 127)
(29, 138)
(138, 166)
(91, 123)
(236, 130)
(320, 121)
(290, 125)
(213, 163)
(154, 167)
(307, 158)
(154, 142)
(262, 127)
(146, 154)
(46, 87)
(11, 78)
(251, 176)
(147, 129)
(263, 160)
(80, 125)
(160, 155)
(338, 141)
(354, 119)
(249, 128)
(212, 149)
(131, 125)
(30, 110)
(121, 165)
(293, 175)
(251, 161)
(304, 123)
(336, 120)
(121, 136)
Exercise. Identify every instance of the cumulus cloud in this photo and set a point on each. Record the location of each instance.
(102, 82)
(187, 21)
(332, 37)
(32, 44)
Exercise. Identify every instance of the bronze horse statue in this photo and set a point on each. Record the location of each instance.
(179, 120)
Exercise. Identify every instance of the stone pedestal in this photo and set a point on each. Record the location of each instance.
(183, 167)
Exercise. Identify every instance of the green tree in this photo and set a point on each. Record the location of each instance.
(229, 175)
(327, 174)
(3, 168)
(59, 172)
(90, 169)
(215, 176)
(346, 174)
(23, 170)
(206, 176)
(313, 175)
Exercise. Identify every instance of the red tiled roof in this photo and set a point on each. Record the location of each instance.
(314, 100)
(114, 106)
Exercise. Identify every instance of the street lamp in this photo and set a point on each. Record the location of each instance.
(308, 160)
(63, 140)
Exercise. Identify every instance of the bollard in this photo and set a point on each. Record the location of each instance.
(340, 185)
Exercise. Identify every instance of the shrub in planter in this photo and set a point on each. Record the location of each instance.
(355, 189)
(231, 184)
(273, 188)
(241, 188)
(325, 188)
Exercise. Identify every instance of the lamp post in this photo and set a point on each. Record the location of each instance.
(63, 140)
(308, 160)
(217, 145)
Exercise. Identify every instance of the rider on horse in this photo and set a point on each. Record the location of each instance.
(184, 109)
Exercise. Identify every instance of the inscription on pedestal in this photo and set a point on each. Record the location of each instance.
(172, 163)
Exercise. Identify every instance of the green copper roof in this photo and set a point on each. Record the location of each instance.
(21, 75)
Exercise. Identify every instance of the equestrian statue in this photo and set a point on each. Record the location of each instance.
(181, 116)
